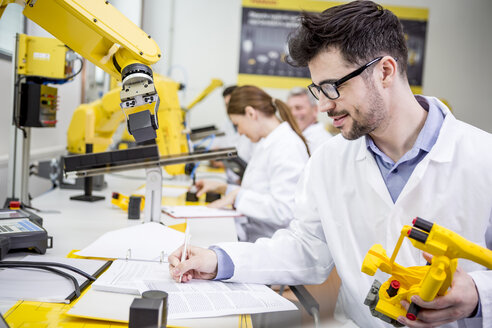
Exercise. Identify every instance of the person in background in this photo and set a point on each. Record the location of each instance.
(232, 139)
(266, 194)
(398, 156)
(304, 107)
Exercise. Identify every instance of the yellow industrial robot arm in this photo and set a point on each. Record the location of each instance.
(97, 121)
(215, 83)
(100, 33)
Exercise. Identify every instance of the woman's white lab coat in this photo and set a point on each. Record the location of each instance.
(343, 207)
(269, 182)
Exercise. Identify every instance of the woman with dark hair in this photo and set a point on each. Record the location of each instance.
(266, 194)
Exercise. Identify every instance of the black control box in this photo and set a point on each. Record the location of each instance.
(22, 230)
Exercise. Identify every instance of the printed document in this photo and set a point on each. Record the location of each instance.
(194, 299)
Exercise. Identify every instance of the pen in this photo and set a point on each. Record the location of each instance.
(186, 242)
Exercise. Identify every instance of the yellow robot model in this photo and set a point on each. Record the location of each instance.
(428, 281)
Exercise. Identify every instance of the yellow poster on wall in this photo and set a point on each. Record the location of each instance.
(266, 25)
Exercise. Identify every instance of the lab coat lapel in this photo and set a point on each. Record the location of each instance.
(441, 152)
(371, 172)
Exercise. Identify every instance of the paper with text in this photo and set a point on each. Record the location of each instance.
(195, 299)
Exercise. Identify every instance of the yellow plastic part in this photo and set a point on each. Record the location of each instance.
(122, 201)
(39, 56)
(429, 281)
(96, 30)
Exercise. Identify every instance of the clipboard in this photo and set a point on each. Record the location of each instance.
(198, 211)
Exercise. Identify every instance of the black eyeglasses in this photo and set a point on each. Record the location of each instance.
(330, 90)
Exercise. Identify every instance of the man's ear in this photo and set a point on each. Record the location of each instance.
(250, 112)
(389, 71)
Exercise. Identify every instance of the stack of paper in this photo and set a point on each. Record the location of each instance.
(195, 299)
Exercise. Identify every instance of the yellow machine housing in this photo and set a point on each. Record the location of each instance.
(45, 57)
(428, 281)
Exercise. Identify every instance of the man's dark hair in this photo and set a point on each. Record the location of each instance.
(227, 91)
(362, 30)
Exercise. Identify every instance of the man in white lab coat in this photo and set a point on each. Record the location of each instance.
(304, 108)
(398, 156)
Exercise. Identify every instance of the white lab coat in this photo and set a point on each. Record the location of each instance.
(315, 135)
(269, 182)
(344, 207)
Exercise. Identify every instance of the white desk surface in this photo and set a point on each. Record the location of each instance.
(79, 223)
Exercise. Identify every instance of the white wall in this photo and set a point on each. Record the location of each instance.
(199, 40)
(202, 44)
(457, 64)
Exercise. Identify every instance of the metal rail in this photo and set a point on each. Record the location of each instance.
(225, 153)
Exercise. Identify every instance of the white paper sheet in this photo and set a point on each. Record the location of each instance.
(149, 242)
(195, 299)
(198, 211)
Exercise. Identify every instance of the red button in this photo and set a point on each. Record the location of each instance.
(14, 205)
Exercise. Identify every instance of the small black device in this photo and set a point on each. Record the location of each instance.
(191, 193)
(162, 297)
(211, 196)
(38, 105)
(191, 196)
(134, 207)
(21, 229)
(150, 311)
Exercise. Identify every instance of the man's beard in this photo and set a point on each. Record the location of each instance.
(367, 122)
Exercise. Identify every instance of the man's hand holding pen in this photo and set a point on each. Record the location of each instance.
(201, 263)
